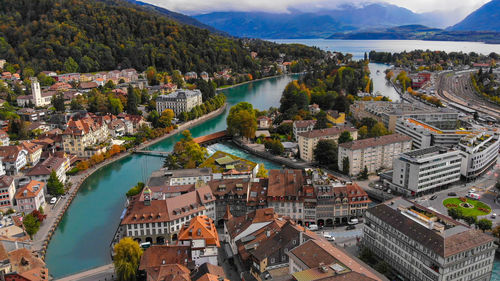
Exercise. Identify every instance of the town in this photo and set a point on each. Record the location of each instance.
(137, 143)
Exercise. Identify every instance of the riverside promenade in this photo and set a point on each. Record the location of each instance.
(102, 273)
(55, 212)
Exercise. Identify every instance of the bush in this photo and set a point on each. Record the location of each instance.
(73, 171)
(463, 199)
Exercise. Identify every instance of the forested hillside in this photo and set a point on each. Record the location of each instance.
(109, 34)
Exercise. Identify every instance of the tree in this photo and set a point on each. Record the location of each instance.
(345, 165)
(378, 130)
(321, 121)
(58, 102)
(115, 105)
(127, 258)
(470, 220)
(70, 65)
(364, 174)
(382, 267)
(326, 153)
(455, 213)
(345, 136)
(132, 101)
(263, 172)
(241, 120)
(166, 118)
(75, 104)
(484, 224)
(187, 153)
(31, 224)
(363, 132)
(54, 185)
(136, 189)
(496, 231)
(274, 146)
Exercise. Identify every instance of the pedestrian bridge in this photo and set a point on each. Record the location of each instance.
(153, 152)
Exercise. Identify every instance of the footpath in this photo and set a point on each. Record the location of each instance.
(102, 273)
(55, 212)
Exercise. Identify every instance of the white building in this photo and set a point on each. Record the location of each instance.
(479, 153)
(308, 140)
(179, 101)
(373, 153)
(14, 158)
(179, 177)
(425, 170)
(7, 191)
(202, 237)
(425, 135)
(421, 244)
(302, 126)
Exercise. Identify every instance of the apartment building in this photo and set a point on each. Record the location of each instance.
(479, 153)
(425, 135)
(424, 245)
(284, 193)
(425, 170)
(338, 203)
(34, 152)
(302, 126)
(179, 101)
(81, 137)
(4, 138)
(159, 221)
(13, 159)
(373, 153)
(42, 171)
(201, 236)
(389, 112)
(7, 192)
(30, 197)
(308, 140)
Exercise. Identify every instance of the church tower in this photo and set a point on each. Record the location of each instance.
(36, 92)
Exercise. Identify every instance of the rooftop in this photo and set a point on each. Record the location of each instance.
(220, 160)
(163, 176)
(180, 94)
(32, 189)
(285, 183)
(374, 142)
(337, 130)
(200, 227)
(436, 232)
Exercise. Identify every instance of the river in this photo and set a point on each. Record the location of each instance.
(82, 239)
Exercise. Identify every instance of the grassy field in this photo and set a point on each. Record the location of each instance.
(469, 211)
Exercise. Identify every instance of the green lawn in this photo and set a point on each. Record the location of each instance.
(469, 211)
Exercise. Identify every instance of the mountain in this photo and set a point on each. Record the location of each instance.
(419, 32)
(314, 23)
(486, 17)
(95, 35)
(270, 25)
(178, 17)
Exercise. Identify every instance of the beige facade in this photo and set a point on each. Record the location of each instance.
(308, 140)
(374, 153)
(82, 136)
(179, 101)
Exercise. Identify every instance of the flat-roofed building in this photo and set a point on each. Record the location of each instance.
(479, 153)
(179, 177)
(421, 244)
(389, 112)
(426, 135)
(425, 170)
(373, 153)
(308, 140)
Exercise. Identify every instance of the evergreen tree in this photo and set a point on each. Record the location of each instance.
(31, 224)
(58, 102)
(54, 185)
(132, 101)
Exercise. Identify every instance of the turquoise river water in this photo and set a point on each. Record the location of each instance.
(82, 239)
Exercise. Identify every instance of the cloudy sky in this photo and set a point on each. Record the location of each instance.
(205, 6)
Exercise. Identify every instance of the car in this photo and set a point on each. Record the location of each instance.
(472, 190)
(328, 237)
(433, 197)
(53, 200)
(353, 221)
(350, 227)
(452, 194)
(313, 227)
(474, 196)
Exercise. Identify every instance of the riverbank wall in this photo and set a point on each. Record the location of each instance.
(78, 179)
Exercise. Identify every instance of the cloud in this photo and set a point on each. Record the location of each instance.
(205, 6)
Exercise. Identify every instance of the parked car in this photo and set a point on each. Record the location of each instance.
(353, 221)
(53, 200)
(472, 190)
(313, 227)
(433, 197)
(493, 215)
(452, 194)
(350, 227)
(328, 237)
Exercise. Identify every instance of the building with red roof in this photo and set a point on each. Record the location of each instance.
(201, 235)
(30, 197)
